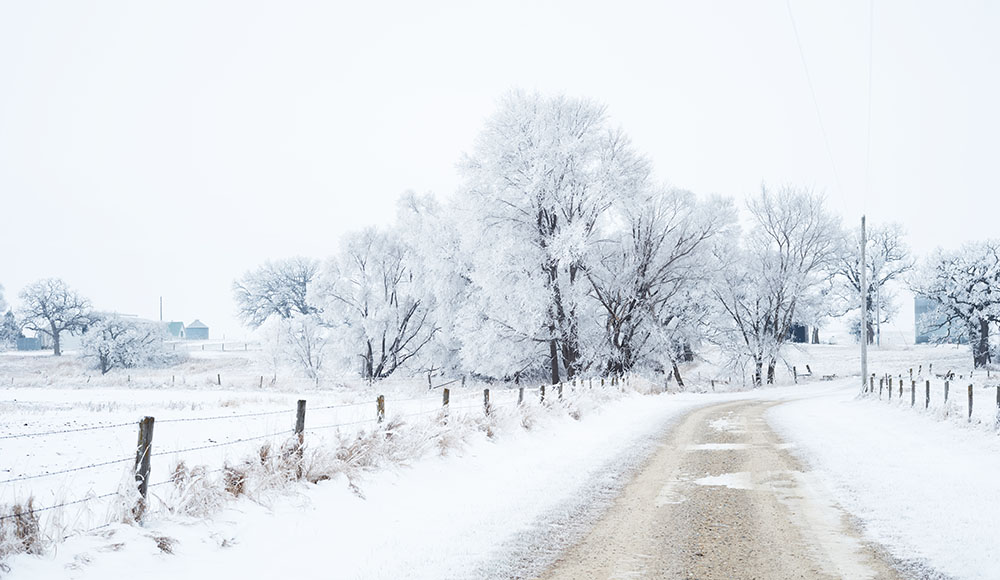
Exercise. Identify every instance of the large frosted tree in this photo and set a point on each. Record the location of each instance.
(275, 288)
(542, 174)
(649, 276)
(368, 299)
(51, 307)
(776, 276)
(888, 259)
(965, 285)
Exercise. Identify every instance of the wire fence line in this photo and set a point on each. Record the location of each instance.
(72, 430)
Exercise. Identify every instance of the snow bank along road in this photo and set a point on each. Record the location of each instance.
(723, 498)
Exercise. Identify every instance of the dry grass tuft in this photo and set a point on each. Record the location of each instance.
(21, 532)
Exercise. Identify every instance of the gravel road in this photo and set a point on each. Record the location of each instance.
(722, 498)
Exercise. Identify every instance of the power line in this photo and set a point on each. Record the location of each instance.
(819, 115)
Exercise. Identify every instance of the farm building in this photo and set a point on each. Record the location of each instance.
(176, 329)
(197, 330)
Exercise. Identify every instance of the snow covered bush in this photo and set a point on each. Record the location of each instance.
(117, 342)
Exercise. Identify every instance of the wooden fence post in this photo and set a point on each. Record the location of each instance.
(445, 401)
(520, 396)
(219, 379)
(795, 375)
(970, 402)
(871, 384)
(559, 390)
(946, 385)
(300, 431)
(900, 387)
(541, 394)
(927, 397)
(913, 393)
(142, 464)
(486, 402)
(881, 385)
(300, 420)
(380, 408)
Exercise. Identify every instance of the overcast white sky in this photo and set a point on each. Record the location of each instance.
(152, 149)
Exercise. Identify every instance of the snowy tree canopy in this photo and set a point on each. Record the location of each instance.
(887, 257)
(275, 289)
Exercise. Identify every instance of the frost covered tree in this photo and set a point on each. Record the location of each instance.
(542, 173)
(776, 276)
(431, 233)
(10, 330)
(649, 273)
(117, 342)
(965, 285)
(888, 259)
(306, 343)
(369, 301)
(277, 288)
(51, 307)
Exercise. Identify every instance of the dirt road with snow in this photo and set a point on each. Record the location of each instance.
(722, 498)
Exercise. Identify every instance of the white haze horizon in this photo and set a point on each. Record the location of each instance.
(164, 150)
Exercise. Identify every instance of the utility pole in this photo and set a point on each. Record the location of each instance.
(161, 308)
(864, 308)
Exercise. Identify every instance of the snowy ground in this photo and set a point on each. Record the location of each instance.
(481, 506)
(923, 488)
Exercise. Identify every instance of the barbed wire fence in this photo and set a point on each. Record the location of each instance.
(443, 407)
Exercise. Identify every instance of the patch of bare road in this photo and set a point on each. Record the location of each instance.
(722, 498)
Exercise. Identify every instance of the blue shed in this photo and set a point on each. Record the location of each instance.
(197, 330)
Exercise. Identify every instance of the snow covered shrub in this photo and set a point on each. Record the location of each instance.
(116, 342)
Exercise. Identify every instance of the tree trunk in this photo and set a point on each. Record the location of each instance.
(677, 377)
(57, 351)
(554, 360)
(770, 373)
(758, 373)
(979, 337)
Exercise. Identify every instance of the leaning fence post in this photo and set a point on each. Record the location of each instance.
(380, 408)
(520, 395)
(486, 402)
(559, 390)
(881, 385)
(970, 402)
(219, 379)
(795, 375)
(142, 464)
